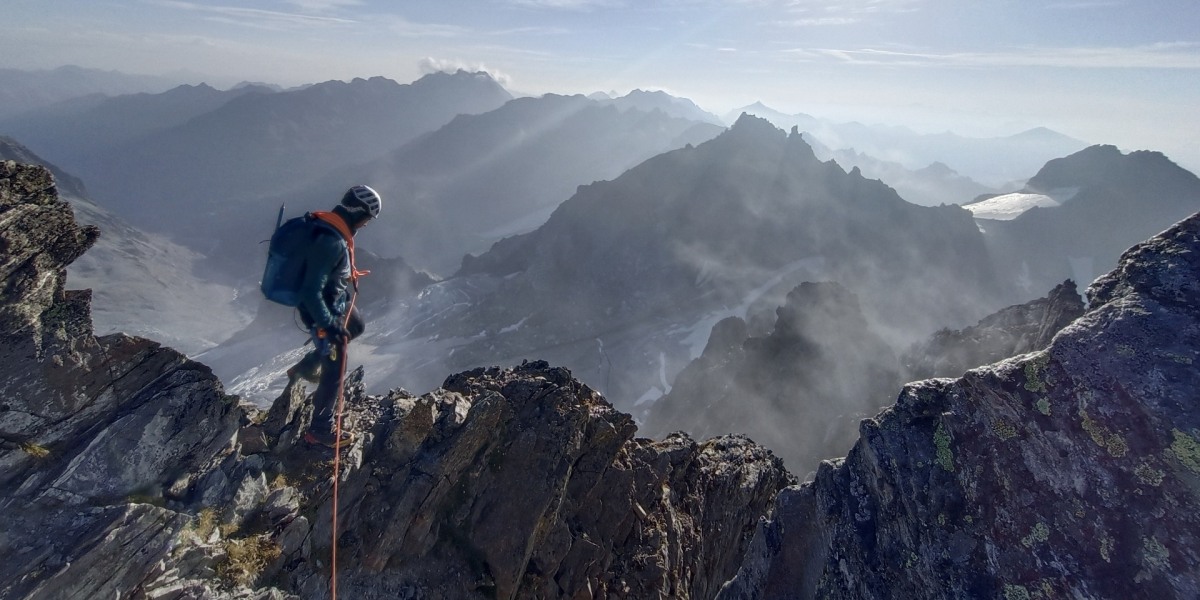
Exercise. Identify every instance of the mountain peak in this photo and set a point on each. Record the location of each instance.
(748, 124)
(1105, 165)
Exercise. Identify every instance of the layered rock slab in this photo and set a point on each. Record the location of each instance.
(1069, 472)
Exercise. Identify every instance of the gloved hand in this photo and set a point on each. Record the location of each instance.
(328, 338)
(336, 334)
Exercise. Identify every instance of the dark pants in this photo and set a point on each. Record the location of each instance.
(325, 398)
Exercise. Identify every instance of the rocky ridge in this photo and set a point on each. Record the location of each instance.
(128, 471)
(1014, 330)
(1071, 472)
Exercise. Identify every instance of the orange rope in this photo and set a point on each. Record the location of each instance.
(337, 452)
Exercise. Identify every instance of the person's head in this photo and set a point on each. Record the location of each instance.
(360, 204)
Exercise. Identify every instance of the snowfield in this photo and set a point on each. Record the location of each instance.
(1009, 206)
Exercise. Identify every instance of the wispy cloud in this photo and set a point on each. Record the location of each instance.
(820, 21)
(568, 4)
(255, 17)
(320, 6)
(1180, 55)
(1085, 4)
(854, 6)
(430, 64)
(833, 13)
(404, 28)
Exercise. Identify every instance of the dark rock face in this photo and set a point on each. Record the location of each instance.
(799, 391)
(1014, 330)
(1068, 472)
(524, 483)
(127, 472)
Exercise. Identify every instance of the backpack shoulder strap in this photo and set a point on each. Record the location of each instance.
(336, 222)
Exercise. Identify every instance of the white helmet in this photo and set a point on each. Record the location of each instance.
(364, 196)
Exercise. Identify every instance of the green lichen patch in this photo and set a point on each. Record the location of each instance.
(1106, 548)
(1043, 406)
(1179, 358)
(1037, 535)
(1016, 592)
(1186, 450)
(1004, 430)
(1112, 442)
(1126, 351)
(1035, 373)
(1157, 556)
(1148, 475)
(941, 440)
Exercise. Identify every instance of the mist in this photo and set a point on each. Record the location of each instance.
(746, 279)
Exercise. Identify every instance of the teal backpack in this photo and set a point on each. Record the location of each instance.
(286, 265)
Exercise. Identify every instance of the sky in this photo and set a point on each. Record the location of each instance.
(1124, 72)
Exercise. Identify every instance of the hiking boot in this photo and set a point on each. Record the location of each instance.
(328, 439)
(308, 369)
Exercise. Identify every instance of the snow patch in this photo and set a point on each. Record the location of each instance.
(1009, 206)
(651, 395)
(515, 326)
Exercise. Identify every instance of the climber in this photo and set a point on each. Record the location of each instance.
(325, 301)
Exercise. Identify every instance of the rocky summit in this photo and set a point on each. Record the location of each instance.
(127, 471)
(1071, 472)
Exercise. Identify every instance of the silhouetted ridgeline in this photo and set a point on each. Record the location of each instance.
(126, 471)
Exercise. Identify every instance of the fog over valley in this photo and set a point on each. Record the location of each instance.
(606, 233)
(707, 300)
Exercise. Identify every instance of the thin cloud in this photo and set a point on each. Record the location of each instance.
(254, 17)
(853, 6)
(323, 5)
(568, 4)
(820, 22)
(531, 31)
(430, 65)
(1181, 55)
(405, 28)
(1084, 5)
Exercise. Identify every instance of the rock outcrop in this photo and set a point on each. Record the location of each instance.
(128, 472)
(1014, 330)
(1070, 472)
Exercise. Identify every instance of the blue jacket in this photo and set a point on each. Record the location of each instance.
(325, 294)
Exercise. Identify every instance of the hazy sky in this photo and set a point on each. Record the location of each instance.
(1125, 72)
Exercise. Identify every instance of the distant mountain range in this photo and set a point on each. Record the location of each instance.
(933, 185)
(257, 143)
(657, 100)
(22, 90)
(484, 177)
(991, 161)
(74, 131)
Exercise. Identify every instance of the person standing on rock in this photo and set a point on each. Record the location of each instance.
(325, 300)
